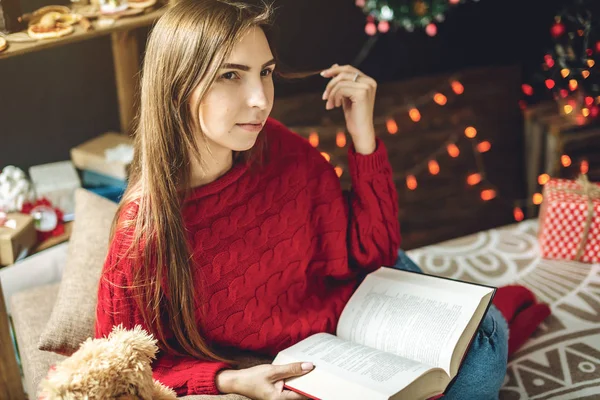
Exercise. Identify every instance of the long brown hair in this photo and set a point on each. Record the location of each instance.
(185, 50)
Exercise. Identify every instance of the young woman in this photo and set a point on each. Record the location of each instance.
(234, 232)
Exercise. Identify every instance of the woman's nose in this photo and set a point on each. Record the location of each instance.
(257, 96)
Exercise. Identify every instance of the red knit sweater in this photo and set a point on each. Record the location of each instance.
(278, 251)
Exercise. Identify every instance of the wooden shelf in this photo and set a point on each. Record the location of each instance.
(121, 24)
(124, 49)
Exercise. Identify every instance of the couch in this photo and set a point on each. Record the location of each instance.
(31, 287)
(561, 361)
(49, 302)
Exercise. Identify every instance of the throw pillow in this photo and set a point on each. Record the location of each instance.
(74, 313)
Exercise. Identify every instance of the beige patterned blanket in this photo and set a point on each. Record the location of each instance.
(562, 360)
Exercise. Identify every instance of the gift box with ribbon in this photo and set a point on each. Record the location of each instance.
(17, 236)
(569, 220)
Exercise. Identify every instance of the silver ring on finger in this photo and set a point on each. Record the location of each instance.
(356, 77)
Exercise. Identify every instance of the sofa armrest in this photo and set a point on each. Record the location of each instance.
(42, 268)
(11, 386)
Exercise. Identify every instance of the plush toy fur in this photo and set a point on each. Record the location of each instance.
(117, 367)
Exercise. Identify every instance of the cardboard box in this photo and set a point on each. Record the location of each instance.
(90, 155)
(18, 239)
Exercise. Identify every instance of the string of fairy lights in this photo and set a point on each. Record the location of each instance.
(453, 147)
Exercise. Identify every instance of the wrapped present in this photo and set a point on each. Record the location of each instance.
(17, 236)
(109, 154)
(56, 182)
(569, 221)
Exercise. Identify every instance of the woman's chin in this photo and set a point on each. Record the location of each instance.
(244, 145)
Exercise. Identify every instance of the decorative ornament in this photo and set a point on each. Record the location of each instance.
(48, 219)
(420, 8)
(431, 29)
(558, 29)
(15, 189)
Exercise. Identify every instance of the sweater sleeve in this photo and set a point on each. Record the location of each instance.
(373, 226)
(365, 217)
(185, 374)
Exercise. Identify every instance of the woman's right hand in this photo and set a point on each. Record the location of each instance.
(263, 382)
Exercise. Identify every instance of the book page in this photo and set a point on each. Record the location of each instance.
(348, 370)
(415, 316)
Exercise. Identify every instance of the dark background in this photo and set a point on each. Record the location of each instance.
(55, 99)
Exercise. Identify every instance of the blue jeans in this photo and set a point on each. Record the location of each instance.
(484, 367)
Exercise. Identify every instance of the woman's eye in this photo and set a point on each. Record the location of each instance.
(228, 76)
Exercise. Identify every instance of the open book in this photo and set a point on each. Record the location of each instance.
(402, 335)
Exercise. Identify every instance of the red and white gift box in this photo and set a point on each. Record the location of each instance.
(569, 220)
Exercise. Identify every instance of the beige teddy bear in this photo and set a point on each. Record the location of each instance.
(117, 367)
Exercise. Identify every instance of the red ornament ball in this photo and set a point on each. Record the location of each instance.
(371, 29)
(557, 29)
(431, 29)
(383, 26)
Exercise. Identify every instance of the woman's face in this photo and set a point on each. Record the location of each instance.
(242, 94)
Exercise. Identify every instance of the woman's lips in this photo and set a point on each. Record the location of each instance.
(251, 127)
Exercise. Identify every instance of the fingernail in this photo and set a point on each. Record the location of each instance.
(323, 97)
(307, 366)
(323, 73)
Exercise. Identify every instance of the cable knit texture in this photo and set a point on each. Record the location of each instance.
(278, 249)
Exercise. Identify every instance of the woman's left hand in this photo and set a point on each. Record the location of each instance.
(356, 94)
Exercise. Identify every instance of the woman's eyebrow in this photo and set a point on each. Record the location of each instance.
(245, 67)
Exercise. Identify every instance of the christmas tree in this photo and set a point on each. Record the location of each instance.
(571, 68)
(408, 14)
